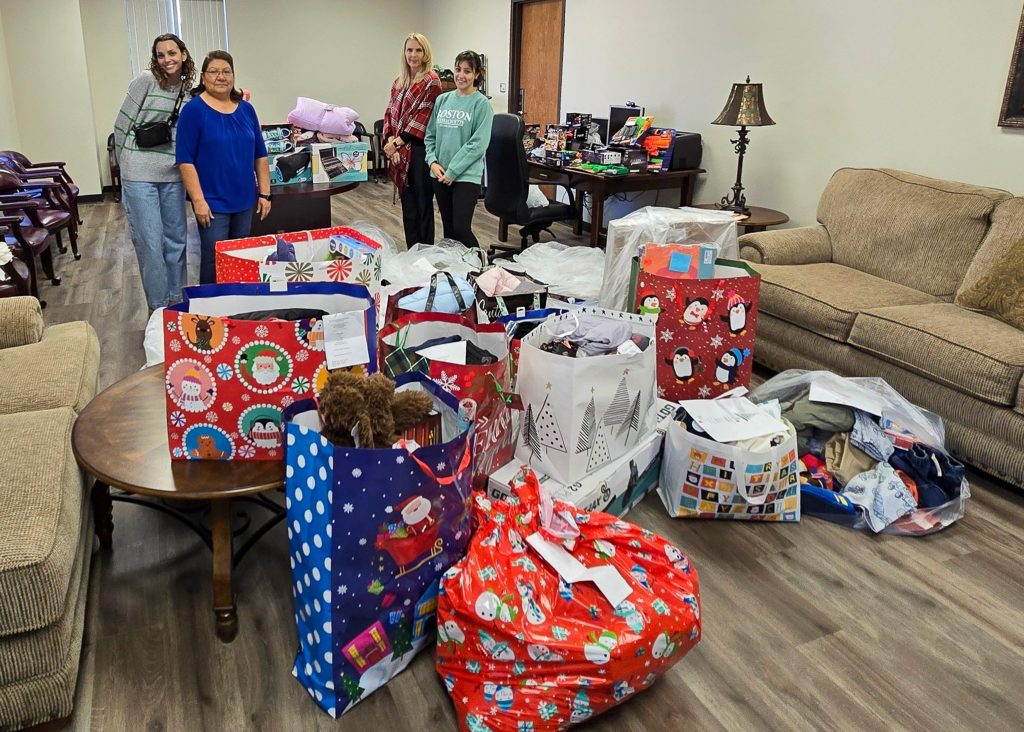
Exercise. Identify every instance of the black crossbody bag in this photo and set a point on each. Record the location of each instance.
(155, 134)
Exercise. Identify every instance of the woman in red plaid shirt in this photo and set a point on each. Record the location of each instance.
(405, 124)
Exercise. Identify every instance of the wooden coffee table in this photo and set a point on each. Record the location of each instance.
(121, 440)
(759, 219)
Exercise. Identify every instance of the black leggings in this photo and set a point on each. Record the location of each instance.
(418, 200)
(457, 203)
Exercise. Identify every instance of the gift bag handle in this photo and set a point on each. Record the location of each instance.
(744, 489)
(467, 456)
(432, 292)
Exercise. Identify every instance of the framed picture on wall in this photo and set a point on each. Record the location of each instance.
(1012, 112)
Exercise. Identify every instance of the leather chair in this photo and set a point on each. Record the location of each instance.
(54, 211)
(19, 279)
(26, 244)
(508, 182)
(380, 160)
(29, 234)
(115, 167)
(68, 185)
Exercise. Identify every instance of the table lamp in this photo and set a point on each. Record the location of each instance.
(745, 108)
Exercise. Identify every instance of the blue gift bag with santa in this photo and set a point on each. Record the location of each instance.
(370, 531)
(706, 328)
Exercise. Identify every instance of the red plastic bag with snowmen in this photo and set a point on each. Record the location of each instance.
(556, 615)
(706, 329)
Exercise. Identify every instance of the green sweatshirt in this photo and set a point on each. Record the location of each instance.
(458, 134)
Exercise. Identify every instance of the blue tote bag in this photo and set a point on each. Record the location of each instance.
(370, 531)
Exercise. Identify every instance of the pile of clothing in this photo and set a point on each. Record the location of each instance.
(865, 469)
(595, 336)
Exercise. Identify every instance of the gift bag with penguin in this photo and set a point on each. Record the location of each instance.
(556, 614)
(229, 370)
(370, 531)
(706, 328)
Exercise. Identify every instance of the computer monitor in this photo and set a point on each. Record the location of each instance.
(617, 116)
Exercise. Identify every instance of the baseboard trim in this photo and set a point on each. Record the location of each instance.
(91, 197)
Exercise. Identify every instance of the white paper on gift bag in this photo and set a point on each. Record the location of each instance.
(580, 413)
(701, 478)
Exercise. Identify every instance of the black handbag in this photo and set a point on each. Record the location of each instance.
(155, 134)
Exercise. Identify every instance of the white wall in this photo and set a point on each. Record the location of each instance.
(50, 86)
(915, 85)
(9, 137)
(338, 52)
(109, 67)
(453, 26)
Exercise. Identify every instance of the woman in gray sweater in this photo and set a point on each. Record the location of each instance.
(151, 187)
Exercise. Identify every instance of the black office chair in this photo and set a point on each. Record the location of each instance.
(508, 182)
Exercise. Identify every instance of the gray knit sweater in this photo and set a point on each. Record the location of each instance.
(146, 102)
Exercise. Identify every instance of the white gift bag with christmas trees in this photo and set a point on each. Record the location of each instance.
(582, 412)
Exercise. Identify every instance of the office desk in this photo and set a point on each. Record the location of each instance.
(601, 186)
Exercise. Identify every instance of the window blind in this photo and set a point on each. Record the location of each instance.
(202, 24)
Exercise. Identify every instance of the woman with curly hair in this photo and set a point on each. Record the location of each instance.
(151, 187)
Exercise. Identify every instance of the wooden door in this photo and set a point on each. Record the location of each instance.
(536, 65)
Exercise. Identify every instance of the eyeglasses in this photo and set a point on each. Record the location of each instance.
(227, 74)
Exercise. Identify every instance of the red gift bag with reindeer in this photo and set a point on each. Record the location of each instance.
(556, 614)
(705, 328)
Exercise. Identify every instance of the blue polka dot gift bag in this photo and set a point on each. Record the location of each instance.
(370, 532)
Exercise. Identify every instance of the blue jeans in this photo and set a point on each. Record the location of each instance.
(223, 226)
(156, 223)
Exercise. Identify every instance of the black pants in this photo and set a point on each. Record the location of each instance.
(418, 200)
(457, 203)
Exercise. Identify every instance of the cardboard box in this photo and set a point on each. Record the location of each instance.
(614, 487)
(340, 162)
(680, 261)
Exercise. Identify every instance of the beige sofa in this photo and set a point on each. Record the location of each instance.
(49, 375)
(870, 292)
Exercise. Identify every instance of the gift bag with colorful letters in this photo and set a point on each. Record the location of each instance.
(482, 388)
(231, 366)
(706, 328)
(579, 413)
(369, 533)
(244, 260)
(556, 615)
(702, 478)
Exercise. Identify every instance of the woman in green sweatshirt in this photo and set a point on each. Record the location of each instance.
(457, 137)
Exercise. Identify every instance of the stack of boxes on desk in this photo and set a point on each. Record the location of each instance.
(296, 156)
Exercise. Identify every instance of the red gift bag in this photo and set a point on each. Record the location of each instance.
(228, 378)
(392, 310)
(556, 615)
(483, 389)
(705, 329)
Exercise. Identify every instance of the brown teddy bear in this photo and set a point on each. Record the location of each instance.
(371, 402)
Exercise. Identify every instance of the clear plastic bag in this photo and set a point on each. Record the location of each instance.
(418, 264)
(874, 394)
(661, 226)
(569, 271)
(377, 234)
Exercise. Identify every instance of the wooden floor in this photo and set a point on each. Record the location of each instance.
(806, 626)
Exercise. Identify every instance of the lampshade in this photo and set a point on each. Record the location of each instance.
(745, 107)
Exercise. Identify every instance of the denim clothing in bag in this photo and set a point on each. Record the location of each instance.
(156, 223)
(223, 226)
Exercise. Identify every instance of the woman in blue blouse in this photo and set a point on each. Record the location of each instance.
(219, 146)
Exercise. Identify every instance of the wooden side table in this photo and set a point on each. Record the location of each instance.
(121, 440)
(759, 219)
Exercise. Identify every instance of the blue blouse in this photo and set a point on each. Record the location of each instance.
(223, 148)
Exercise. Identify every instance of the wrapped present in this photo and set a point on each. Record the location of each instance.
(614, 487)
(556, 615)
